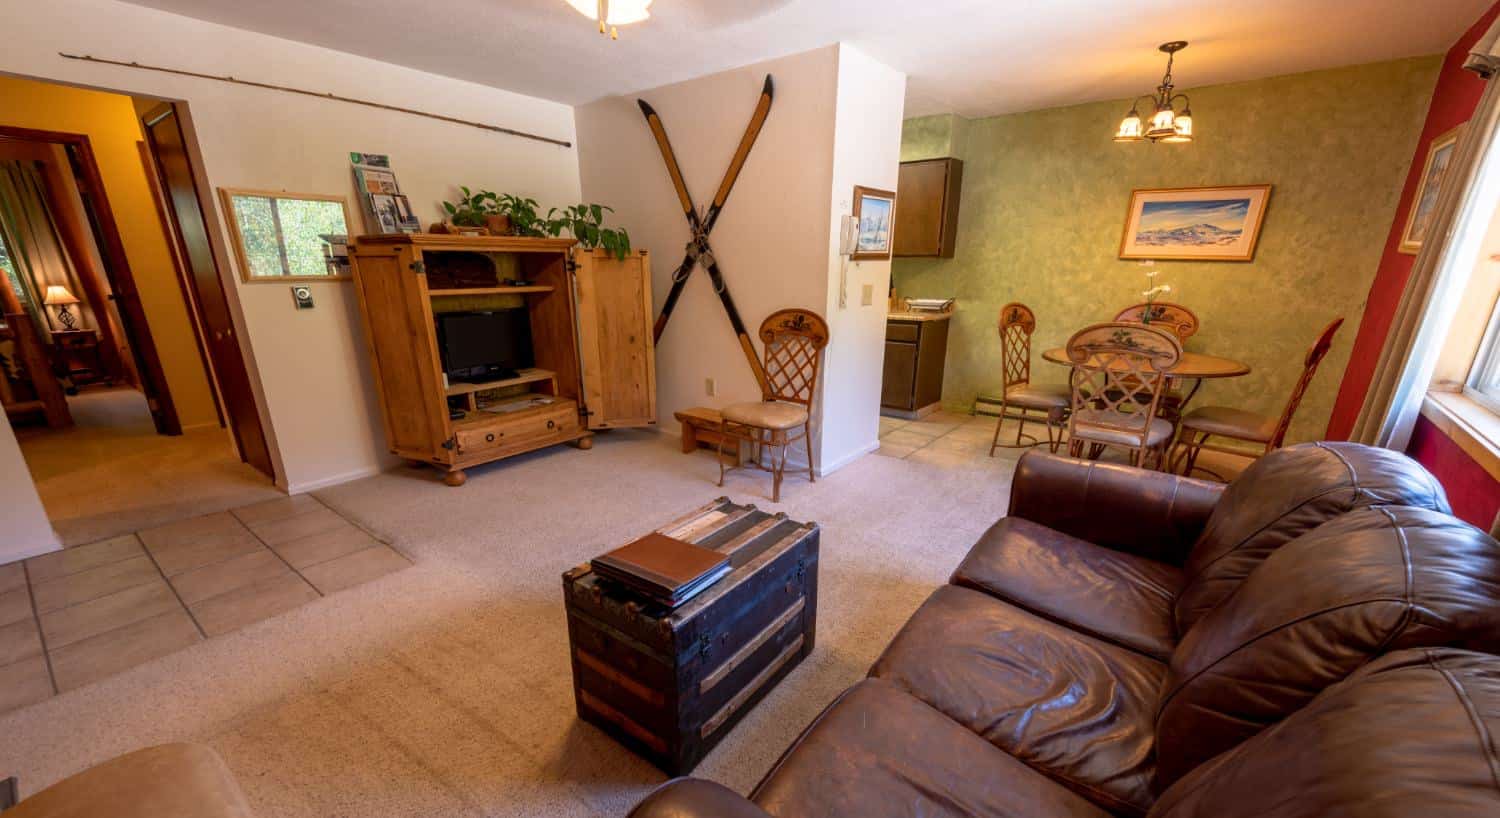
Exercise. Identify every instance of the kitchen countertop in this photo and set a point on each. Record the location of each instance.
(918, 316)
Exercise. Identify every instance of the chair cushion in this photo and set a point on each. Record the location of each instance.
(876, 752)
(1230, 422)
(1073, 707)
(1282, 495)
(1085, 425)
(1374, 580)
(169, 781)
(766, 414)
(1115, 596)
(1411, 733)
(1039, 396)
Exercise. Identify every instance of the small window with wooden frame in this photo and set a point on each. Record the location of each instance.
(280, 236)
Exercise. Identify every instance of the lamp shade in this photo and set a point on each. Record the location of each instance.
(57, 295)
(1130, 128)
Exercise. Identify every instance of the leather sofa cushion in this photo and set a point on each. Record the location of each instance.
(1410, 734)
(169, 781)
(1068, 705)
(1118, 597)
(1372, 581)
(876, 752)
(1284, 494)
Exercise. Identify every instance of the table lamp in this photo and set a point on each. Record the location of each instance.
(58, 296)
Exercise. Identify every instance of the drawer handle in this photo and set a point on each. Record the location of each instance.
(551, 424)
(489, 438)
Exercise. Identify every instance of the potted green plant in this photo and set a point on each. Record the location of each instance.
(586, 224)
(522, 213)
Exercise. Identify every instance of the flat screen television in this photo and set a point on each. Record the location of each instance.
(485, 346)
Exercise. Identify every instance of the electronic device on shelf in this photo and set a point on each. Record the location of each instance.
(485, 346)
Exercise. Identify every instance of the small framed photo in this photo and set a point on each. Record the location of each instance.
(406, 220)
(874, 217)
(1424, 205)
(384, 207)
(1195, 223)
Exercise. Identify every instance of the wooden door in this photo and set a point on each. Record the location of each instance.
(900, 375)
(393, 300)
(927, 208)
(204, 287)
(616, 351)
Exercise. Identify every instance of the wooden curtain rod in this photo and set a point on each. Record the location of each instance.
(351, 100)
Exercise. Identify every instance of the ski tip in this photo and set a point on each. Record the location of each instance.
(645, 107)
(768, 88)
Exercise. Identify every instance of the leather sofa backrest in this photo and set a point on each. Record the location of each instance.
(1412, 733)
(1284, 494)
(1375, 580)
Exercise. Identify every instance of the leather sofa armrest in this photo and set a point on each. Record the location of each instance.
(1149, 513)
(696, 798)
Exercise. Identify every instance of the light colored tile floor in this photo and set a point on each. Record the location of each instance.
(76, 616)
(955, 440)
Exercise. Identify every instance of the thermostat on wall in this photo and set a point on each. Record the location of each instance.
(303, 296)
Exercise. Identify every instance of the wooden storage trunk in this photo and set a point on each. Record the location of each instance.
(671, 684)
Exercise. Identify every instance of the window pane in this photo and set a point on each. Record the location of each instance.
(257, 225)
(283, 236)
(304, 222)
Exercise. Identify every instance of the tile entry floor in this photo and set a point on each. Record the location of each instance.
(958, 440)
(77, 615)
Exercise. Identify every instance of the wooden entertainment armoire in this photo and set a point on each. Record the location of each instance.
(591, 334)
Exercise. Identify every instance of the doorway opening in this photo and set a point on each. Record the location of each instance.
(120, 370)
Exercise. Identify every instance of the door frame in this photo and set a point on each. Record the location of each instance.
(117, 269)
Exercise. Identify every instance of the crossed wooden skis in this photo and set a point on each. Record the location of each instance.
(698, 249)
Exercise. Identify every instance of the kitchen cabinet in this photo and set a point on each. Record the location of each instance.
(915, 347)
(927, 198)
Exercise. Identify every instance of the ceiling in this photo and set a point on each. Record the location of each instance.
(971, 57)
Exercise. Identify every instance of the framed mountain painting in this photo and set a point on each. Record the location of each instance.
(1195, 223)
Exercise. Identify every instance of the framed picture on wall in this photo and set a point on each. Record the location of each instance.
(874, 215)
(1429, 186)
(1195, 223)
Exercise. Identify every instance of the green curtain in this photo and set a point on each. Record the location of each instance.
(36, 256)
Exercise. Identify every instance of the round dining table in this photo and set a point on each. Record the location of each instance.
(1194, 366)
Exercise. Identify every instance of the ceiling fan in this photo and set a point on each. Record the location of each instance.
(612, 13)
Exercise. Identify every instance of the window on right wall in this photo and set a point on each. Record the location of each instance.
(1483, 384)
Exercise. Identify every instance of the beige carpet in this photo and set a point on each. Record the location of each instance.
(112, 473)
(444, 689)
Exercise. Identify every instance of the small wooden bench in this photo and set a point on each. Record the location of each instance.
(700, 428)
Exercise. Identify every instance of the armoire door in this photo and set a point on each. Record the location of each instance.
(616, 351)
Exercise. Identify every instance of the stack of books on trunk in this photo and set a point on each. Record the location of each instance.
(662, 569)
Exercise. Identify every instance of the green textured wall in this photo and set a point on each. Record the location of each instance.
(1044, 202)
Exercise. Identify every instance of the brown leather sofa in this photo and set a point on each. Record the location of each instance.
(1312, 640)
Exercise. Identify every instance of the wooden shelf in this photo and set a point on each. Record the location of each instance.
(529, 288)
(527, 376)
(481, 244)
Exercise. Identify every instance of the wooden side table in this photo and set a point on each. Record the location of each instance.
(76, 356)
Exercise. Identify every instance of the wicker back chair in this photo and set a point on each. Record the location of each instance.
(794, 340)
(1120, 371)
(1020, 398)
(1237, 424)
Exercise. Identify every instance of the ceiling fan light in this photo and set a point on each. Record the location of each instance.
(621, 12)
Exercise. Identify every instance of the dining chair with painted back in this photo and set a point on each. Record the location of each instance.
(794, 340)
(1264, 431)
(1021, 399)
(1119, 373)
(1180, 319)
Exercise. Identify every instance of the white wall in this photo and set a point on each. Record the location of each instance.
(835, 123)
(867, 152)
(771, 239)
(316, 389)
(24, 530)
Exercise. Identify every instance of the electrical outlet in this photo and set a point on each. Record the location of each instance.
(867, 295)
(711, 386)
